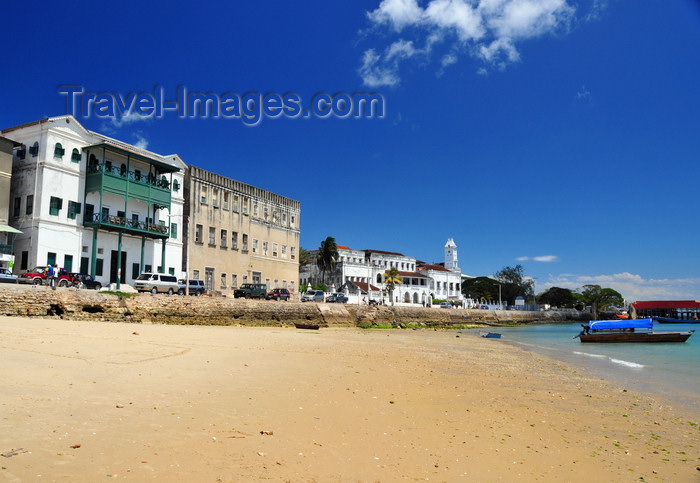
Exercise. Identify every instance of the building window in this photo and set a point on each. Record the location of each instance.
(225, 203)
(244, 243)
(22, 152)
(274, 249)
(176, 186)
(234, 240)
(34, 150)
(266, 212)
(15, 207)
(223, 281)
(135, 270)
(195, 274)
(58, 151)
(293, 252)
(212, 236)
(215, 198)
(203, 197)
(51, 258)
(284, 218)
(234, 281)
(171, 270)
(173, 229)
(148, 268)
(235, 203)
(264, 247)
(98, 267)
(73, 209)
(293, 220)
(284, 251)
(198, 234)
(255, 245)
(244, 206)
(55, 205)
(224, 238)
(75, 156)
(24, 259)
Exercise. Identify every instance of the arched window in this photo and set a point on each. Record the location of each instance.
(379, 278)
(176, 186)
(122, 170)
(415, 297)
(34, 150)
(58, 151)
(407, 297)
(75, 156)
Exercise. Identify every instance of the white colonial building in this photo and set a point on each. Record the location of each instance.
(355, 269)
(93, 204)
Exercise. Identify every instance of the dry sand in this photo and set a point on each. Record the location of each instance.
(88, 401)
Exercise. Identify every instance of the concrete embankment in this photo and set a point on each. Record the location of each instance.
(72, 304)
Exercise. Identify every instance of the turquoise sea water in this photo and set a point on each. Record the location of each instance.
(669, 369)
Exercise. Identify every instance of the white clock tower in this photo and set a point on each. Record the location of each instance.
(451, 262)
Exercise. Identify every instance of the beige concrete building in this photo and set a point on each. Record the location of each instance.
(236, 233)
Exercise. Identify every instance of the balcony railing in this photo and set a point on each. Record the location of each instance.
(120, 223)
(146, 179)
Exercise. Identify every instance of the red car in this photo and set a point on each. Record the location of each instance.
(38, 276)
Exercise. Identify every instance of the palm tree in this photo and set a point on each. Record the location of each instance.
(327, 256)
(392, 278)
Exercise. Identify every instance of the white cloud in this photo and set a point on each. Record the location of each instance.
(631, 286)
(141, 141)
(399, 13)
(540, 258)
(486, 29)
(583, 94)
(116, 122)
(375, 75)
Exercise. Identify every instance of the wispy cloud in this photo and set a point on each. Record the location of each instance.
(117, 122)
(541, 258)
(488, 30)
(141, 141)
(631, 286)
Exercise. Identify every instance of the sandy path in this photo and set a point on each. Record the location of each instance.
(181, 403)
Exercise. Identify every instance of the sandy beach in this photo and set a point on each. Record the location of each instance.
(91, 401)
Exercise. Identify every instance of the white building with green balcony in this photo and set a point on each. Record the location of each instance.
(93, 204)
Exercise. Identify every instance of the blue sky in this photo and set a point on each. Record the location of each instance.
(563, 136)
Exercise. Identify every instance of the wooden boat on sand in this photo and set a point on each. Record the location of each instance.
(630, 330)
(307, 326)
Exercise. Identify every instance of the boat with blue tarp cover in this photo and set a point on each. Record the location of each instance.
(628, 330)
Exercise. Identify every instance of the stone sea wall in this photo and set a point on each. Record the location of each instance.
(72, 304)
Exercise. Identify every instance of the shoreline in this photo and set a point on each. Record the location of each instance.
(90, 400)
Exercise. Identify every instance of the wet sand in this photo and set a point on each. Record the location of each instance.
(90, 401)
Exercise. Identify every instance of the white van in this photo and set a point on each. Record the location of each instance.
(156, 282)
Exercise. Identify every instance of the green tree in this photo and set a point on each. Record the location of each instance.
(327, 257)
(513, 283)
(305, 258)
(391, 279)
(480, 288)
(599, 298)
(557, 297)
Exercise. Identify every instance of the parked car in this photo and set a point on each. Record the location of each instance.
(251, 291)
(445, 305)
(313, 296)
(83, 280)
(337, 297)
(38, 276)
(278, 294)
(156, 282)
(6, 276)
(197, 287)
